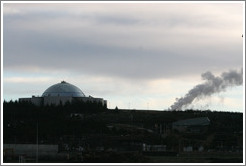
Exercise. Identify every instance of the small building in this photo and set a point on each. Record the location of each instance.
(154, 148)
(188, 149)
(195, 125)
(62, 93)
(29, 151)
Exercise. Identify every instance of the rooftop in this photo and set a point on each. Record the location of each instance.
(63, 89)
(202, 121)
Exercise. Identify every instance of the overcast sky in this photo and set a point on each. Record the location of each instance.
(135, 55)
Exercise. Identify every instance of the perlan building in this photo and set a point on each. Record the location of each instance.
(62, 93)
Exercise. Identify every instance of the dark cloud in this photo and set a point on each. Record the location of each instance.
(115, 44)
(53, 52)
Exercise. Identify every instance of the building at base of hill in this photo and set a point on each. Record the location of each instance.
(194, 125)
(61, 93)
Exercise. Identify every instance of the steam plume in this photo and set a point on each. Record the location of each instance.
(212, 85)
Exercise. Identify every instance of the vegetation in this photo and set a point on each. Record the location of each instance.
(92, 125)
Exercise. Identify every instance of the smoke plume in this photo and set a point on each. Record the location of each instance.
(211, 85)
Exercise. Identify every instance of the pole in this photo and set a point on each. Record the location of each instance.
(37, 145)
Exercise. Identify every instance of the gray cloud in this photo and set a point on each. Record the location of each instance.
(114, 43)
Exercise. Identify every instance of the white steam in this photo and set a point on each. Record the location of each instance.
(212, 85)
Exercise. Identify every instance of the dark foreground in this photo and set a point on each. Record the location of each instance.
(135, 157)
(91, 133)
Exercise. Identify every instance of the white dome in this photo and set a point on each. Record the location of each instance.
(63, 89)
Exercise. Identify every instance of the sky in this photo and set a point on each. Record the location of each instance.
(134, 55)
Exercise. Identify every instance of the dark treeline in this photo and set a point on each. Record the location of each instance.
(91, 120)
(21, 119)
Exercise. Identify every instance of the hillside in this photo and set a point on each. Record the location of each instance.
(96, 128)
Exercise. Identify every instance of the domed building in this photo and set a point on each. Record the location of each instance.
(61, 93)
(63, 89)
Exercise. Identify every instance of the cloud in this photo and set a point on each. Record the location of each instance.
(78, 54)
(148, 39)
(25, 80)
(130, 44)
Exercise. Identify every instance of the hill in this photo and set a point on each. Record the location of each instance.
(94, 128)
